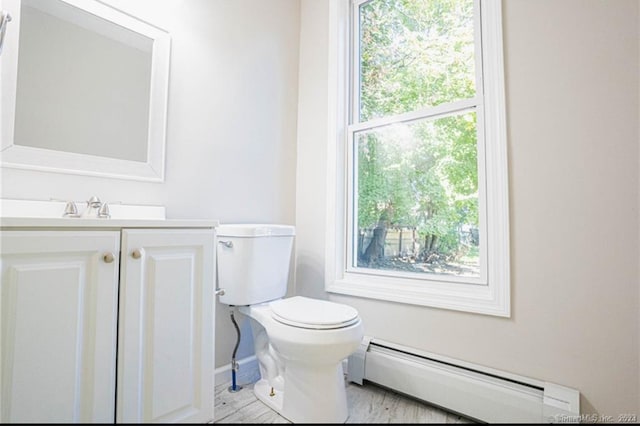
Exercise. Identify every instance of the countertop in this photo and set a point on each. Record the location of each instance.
(64, 222)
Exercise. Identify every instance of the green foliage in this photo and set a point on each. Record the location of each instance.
(416, 54)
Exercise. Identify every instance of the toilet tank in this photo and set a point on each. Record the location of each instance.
(253, 262)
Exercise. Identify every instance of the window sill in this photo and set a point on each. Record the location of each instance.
(481, 299)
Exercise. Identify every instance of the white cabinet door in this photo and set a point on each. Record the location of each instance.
(165, 355)
(58, 316)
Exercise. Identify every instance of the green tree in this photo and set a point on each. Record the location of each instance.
(416, 54)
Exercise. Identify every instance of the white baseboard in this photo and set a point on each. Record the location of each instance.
(248, 372)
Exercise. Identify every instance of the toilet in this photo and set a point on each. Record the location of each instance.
(300, 342)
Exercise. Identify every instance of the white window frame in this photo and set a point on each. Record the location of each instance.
(490, 293)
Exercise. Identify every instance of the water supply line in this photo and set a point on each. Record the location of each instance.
(234, 365)
(5, 18)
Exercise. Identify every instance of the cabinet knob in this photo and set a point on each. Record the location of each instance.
(108, 257)
(136, 254)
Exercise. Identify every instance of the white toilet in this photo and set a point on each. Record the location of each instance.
(300, 342)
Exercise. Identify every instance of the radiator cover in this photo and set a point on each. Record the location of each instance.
(473, 391)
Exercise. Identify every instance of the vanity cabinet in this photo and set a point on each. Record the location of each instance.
(58, 316)
(165, 339)
(103, 326)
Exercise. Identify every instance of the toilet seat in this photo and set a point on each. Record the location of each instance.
(303, 312)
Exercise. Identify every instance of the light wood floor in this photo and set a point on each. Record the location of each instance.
(367, 404)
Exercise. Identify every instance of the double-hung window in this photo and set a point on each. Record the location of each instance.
(419, 206)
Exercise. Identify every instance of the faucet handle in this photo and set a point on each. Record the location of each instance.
(70, 210)
(104, 211)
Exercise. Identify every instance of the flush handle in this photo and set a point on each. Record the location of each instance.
(227, 244)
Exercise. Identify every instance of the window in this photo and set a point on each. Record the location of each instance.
(419, 210)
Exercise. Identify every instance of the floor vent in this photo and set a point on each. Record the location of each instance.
(476, 392)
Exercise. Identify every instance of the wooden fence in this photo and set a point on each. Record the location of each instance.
(400, 241)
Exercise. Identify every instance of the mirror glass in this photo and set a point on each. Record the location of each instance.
(73, 93)
(90, 82)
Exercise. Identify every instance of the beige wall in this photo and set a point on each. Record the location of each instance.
(572, 80)
(231, 132)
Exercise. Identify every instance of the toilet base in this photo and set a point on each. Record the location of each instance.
(263, 392)
(314, 395)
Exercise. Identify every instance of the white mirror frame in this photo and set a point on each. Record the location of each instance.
(24, 157)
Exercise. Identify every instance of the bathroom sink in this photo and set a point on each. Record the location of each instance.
(49, 214)
(54, 209)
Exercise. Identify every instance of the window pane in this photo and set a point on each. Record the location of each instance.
(414, 54)
(417, 197)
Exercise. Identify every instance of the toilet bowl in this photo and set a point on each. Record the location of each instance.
(300, 343)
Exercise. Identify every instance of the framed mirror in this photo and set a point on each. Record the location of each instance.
(84, 90)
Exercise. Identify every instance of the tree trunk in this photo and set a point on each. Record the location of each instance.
(375, 249)
(430, 246)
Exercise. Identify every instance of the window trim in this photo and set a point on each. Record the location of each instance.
(492, 298)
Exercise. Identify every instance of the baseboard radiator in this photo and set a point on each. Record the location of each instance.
(477, 392)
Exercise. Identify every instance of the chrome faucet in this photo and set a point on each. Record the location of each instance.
(95, 208)
(93, 205)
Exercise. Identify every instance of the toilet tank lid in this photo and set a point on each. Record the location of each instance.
(254, 230)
